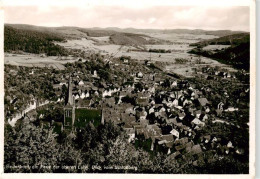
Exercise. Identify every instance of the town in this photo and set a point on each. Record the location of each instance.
(160, 112)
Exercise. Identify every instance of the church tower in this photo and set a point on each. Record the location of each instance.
(69, 108)
(69, 97)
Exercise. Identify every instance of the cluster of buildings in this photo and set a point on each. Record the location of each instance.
(166, 113)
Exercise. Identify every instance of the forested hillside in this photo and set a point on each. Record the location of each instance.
(131, 39)
(237, 55)
(32, 42)
(121, 38)
(234, 39)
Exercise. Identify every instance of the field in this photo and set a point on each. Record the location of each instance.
(179, 47)
(177, 43)
(215, 47)
(31, 60)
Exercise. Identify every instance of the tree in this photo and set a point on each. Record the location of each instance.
(69, 156)
(139, 86)
(30, 146)
(167, 83)
(36, 148)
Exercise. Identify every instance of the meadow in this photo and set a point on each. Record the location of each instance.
(178, 44)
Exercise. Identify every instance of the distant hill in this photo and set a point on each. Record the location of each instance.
(135, 39)
(116, 37)
(32, 41)
(237, 55)
(234, 39)
(97, 32)
(218, 33)
(64, 32)
(70, 30)
(119, 37)
(38, 39)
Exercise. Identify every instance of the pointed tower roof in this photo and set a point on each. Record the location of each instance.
(69, 97)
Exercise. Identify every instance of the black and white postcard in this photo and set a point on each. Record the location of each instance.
(140, 89)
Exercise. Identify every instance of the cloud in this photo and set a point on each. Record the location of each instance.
(161, 17)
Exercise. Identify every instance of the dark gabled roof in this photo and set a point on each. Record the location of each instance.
(182, 141)
(168, 138)
(169, 144)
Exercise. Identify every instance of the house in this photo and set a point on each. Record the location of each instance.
(142, 115)
(181, 141)
(197, 122)
(175, 133)
(125, 61)
(204, 117)
(84, 95)
(197, 113)
(181, 115)
(171, 121)
(151, 89)
(148, 62)
(206, 138)
(142, 101)
(131, 134)
(130, 110)
(144, 122)
(196, 149)
(63, 82)
(81, 83)
(122, 94)
(95, 74)
(167, 141)
(166, 138)
(128, 119)
(188, 147)
(207, 110)
(107, 92)
(32, 72)
(231, 109)
(174, 84)
(229, 145)
(240, 151)
(139, 75)
(76, 95)
(203, 101)
(56, 86)
(109, 102)
(186, 102)
(175, 102)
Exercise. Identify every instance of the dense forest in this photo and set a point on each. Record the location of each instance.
(31, 148)
(32, 42)
(237, 55)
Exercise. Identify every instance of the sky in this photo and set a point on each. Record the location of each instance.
(152, 16)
